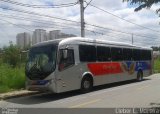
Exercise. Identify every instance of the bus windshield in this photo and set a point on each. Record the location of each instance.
(42, 61)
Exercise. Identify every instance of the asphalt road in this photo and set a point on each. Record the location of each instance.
(124, 94)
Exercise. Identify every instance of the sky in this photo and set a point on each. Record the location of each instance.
(13, 22)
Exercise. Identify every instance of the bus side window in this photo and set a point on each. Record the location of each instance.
(137, 54)
(66, 60)
(127, 54)
(146, 55)
(87, 53)
(103, 53)
(116, 54)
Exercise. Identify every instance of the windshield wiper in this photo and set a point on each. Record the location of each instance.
(34, 69)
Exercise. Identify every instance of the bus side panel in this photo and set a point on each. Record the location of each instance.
(110, 72)
(69, 79)
(145, 66)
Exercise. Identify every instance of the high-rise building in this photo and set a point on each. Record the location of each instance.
(39, 35)
(23, 40)
(55, 34)
(64, 35)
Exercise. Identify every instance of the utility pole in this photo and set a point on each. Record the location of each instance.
(132, 39)
(82, 18)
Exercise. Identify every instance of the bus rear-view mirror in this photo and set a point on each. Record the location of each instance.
(65, 54)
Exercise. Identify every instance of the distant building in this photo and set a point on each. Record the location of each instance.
(63, 35)
(23, 40)
(55, 34)
(39, 35)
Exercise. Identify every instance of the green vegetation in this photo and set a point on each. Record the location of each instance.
(11, 78)
(12, 70)
(11, 55)
(143, 4)
(157, 66)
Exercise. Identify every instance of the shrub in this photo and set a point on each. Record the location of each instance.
(11, 78)
(11, 55)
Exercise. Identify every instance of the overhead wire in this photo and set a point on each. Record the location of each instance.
(15, 25)
(40, 6)
(123, 18)
(38, 14)
(33, 20)
(97, 26)
(23, 19)
(65, 27)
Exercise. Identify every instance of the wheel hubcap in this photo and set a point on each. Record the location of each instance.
(140, 76)
(86, 84)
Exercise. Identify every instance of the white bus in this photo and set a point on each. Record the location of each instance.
(80, 63)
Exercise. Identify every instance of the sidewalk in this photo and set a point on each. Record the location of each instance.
(18, 93)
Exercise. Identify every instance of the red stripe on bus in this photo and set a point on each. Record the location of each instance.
(98, 69)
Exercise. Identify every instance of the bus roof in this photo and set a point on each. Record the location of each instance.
(81, 40)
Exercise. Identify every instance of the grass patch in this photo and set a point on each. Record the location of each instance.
(11, 78)
(157, 65)
(4, 89)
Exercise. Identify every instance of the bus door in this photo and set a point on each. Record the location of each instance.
(68, 78)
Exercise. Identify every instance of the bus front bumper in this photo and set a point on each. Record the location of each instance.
(41, 85)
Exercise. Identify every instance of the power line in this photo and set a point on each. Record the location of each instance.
(43, 22)
(36, 20)
(97, 26)
(122, 18)
(106, 28)
(16, 25)
(32, 20)
(100, 28)
(105, 34)
(63, 28)
(115, 36)
(39, 19)
(22, 26)
(40, 6)
(110, 29)
(38, 14)
(50, 24)
(120, 38)
(87, 4)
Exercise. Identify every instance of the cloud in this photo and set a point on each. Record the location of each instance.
(146, 18)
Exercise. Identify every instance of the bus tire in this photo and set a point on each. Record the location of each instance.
(86, 84)
(139, 76)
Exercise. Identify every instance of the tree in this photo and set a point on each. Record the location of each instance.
(155, 48)
(0, 50)
(11, 55)
(143, 4)
(1, 55)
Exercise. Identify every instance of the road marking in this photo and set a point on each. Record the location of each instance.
(117, 88)
(72, 99)
(84, 104)
(143, 87)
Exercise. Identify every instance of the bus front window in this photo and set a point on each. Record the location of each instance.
(42, 61)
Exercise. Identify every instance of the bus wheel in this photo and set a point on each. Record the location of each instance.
(86, 84)
(139, 76)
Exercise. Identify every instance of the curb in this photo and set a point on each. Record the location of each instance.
(16, 94)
